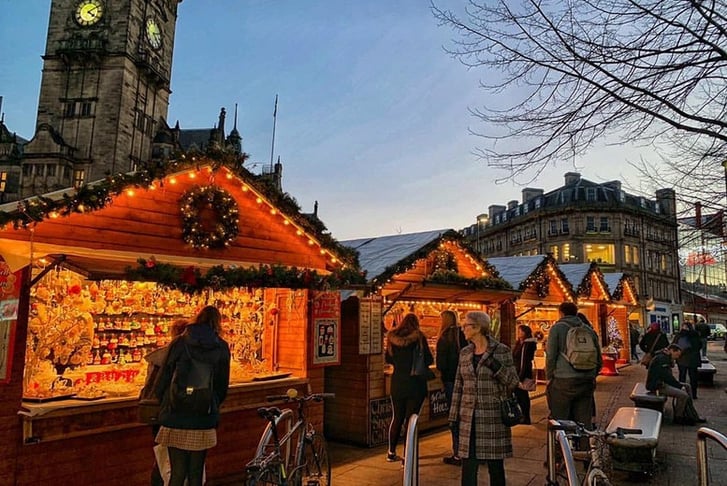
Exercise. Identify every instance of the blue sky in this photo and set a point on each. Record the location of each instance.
(372, 116)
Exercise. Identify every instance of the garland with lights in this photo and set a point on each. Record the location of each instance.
(618, 294)
(539, 279)
(221, 205)
(192, 280)
(453, 278)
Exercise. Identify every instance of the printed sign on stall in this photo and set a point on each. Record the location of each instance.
(9, 298)
(326, 318)
(380, 414)
(369, 325)
(438, 405)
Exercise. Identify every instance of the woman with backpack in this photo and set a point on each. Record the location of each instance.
(192, 387)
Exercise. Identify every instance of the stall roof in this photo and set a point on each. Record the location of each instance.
(403, 266)
(582, 276)
(516, 269)
(522, 273)
(622, 287)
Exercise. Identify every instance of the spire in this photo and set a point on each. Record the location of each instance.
(234, 128)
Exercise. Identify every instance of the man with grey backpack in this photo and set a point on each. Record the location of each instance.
(572, 362)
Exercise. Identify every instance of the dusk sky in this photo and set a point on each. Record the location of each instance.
(372, 115)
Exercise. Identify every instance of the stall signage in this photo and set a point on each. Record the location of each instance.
(370, 333)
(326, 318)
(438, 405)
(380, 414)
(9, 300)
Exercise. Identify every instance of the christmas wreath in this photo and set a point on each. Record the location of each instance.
(209, 217)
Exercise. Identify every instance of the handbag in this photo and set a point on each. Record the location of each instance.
(510, 411)
(528, 384)
(649, 355)
(419, 366)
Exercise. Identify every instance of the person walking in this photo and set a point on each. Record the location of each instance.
(570, 389)
(407, 390)
(690, 358)
(485, 375)
(704, 332)
(634, 337)
(659, 379)
(450, 342)
(653, 340)
(522, 355)
(189, 434)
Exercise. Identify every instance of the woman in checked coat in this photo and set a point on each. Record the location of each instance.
(485, 374)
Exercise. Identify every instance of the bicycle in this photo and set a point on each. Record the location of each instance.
(290, 452)
(563, 433)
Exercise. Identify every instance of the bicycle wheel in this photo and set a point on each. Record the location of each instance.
(267, 477)
(313, 468)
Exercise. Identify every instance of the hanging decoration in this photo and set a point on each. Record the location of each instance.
(443, 261)
(209, 217)
(192, 280)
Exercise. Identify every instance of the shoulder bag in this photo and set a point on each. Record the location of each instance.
(510, 411)
(649, 355)
(419, 365)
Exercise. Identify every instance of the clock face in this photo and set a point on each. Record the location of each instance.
(153, 33)
(88, 12)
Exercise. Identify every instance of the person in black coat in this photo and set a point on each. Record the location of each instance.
(659, 379)
(522, 355)
(188, 435)
(653, 336)
(449, 343)
(407, 391)
(688, 363)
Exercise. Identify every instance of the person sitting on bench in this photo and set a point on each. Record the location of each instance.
(660, 379)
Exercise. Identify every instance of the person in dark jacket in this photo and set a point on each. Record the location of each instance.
(407, 391)
(704, 332)
(188, 436)
(634, 337)
(660, 379)
(653, 337)
(688, 363)
(522, 355)
(449, 343)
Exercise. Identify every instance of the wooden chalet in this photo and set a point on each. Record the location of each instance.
(624, 307)
(424, 273)
(202, 223)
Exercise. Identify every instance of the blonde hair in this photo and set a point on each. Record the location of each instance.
(449, 319)
(481, 321)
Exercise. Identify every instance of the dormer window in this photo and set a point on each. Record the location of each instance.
(537, 203)
(590, 194)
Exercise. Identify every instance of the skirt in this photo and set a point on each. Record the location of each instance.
(187, 439)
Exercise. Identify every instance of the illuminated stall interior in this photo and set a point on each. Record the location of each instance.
(624, 309)
(593, 295)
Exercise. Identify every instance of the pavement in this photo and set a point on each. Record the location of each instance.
(676, 462)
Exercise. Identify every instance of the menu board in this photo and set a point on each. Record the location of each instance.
(370, 334)
(9, 298)
(380, 414)
(326, 319)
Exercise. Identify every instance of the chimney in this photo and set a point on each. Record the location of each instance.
(666, 198)
(572, 178)
(512, 204)
(529, 194)
(494, 209)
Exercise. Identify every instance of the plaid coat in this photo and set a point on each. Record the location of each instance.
(476, 397)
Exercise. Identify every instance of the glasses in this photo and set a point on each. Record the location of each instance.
(468, 324)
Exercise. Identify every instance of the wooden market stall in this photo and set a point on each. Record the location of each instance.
(593, 297)
(543, 288)
(623, 309)
(424, 273)
(80, 277)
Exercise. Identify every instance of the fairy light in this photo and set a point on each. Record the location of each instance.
(172, 180)
(192, 175)
(130, 192)
(53, 215)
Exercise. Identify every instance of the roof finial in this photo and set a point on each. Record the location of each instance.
(235, 127)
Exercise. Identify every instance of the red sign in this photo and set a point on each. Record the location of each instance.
(9, 300)
(326, 320)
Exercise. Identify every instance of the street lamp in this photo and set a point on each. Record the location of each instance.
(482, 219)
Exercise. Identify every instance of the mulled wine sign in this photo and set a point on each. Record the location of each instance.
(9, 298)
(326, 320)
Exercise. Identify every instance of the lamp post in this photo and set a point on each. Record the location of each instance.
(481, 219)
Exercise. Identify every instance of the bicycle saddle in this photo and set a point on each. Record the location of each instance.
(269, 413)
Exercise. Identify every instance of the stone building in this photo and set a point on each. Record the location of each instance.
(584, 221)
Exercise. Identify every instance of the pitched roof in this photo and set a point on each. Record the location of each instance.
(516, 269)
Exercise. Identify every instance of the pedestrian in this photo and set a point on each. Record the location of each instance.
(188, 435)
(156, 360)
(659, 379)
(407, 390)
(569, 391)
(450, 342)
(594, 420)
(653, 340)
(485, 375)
(634, 337)
(690, 358)
(704, 332)
(522, 355)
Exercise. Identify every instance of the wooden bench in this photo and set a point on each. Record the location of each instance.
(643, 398)
(635, 452)
(706, 372)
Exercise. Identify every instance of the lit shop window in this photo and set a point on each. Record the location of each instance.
(600, 253)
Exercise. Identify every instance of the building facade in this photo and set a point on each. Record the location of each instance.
(584, 221)
(104, 94)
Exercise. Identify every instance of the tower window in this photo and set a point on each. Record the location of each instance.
(3, 181)
(78, 177)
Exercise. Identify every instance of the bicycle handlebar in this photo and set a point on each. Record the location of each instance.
(573, 427)
(316, 397)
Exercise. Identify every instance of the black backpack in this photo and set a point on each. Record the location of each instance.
(191, 390)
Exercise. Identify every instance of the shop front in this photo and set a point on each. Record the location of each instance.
(424, 273)
(101, 275)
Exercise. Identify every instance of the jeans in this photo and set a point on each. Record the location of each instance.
(704, 347)
(693, 377)
(681, 396)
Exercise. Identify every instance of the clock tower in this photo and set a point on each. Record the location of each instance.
(104, 91)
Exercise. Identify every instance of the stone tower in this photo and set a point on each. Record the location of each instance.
(104, 91)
